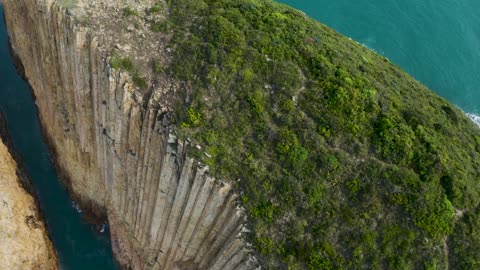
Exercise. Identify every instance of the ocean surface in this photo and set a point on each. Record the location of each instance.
(78, 244)
(435, 41)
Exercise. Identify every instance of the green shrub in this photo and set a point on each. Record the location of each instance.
(345, 162)
(193, 118)
(353, 185)
(129, 11)
(154, 9)
(435, 217)
(257, 101)
(265, 245)
(124, 63)
(160, 26)
(288, 141)
(139, 81)
(264, 210)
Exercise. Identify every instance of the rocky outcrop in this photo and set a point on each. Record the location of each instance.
(112, 140)
(24, 243)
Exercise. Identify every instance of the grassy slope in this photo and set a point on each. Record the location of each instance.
(345, 161)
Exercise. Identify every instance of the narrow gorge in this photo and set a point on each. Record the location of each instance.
(24, 240)
(113, 146)
(244, 135)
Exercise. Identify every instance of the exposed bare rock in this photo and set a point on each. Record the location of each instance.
(112, 140)
(24, 243)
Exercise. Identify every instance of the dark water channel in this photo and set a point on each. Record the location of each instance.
(77, 243)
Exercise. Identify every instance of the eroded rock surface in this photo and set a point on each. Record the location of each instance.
(24, 243)
(113, 141)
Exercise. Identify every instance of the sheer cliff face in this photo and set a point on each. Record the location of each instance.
(24, 243)
(114, 146)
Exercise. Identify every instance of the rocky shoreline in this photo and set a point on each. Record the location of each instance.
(24, 241)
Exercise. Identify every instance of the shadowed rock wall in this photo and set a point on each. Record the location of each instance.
(113, 145)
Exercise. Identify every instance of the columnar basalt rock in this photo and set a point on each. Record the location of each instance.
(24, 243)
(113, 141)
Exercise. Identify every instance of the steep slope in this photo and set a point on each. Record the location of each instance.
(339, 158)
(24, 243)
(113, 145)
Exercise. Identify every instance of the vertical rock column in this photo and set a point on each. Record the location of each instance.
(63, 67)
(115, 149)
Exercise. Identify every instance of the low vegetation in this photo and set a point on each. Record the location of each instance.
(67, 3)
(129, 11)
(126, 64)
(345, 161)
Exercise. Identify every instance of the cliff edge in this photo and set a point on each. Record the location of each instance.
(237, 133)
(112, 138)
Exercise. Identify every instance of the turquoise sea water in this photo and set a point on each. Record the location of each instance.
(436, 41)
(77, 244)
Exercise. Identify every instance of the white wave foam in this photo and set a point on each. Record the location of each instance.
(475, 118)
(365, 45)
(103, 227)
(77, 207)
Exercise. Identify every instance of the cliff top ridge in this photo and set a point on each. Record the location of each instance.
(128, 32)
